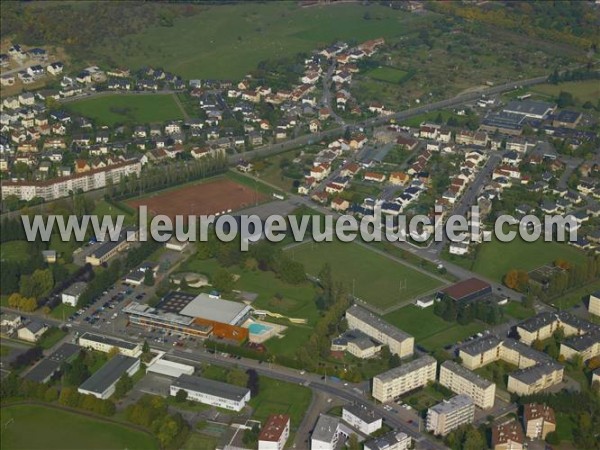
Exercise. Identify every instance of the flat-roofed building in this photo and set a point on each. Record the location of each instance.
(536, 378)
(394, 440)
(539, 420)
(361, 417)
(170, 368)
(461, 380)
(357, 344)
(450, 414)
(467, 290)
(594, 303)
(105, 344)
(102, 383)
(530, 108)
(326, 433)
(399, 342)
(211, 392)
(587, 346)
(47, 367)
(508, 436)
(397, 381)
(275, 433)
(70, 296)
(103, 251)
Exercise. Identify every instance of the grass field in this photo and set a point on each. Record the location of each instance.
(198, 441)
(278, 397)
(197, 47)
(388, 74)
(581, 90)
(372, 277)
(496, 258)
(19, 421)
(518, 311)
(138, 109)
(51, 337)
(14, 251)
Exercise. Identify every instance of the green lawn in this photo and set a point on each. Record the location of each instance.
(62, 311)
(372, 277)
(496, 258)
(103, 208)
(197, 47)
(388, 74)
(278, 397)
(138, 109)
(76, 431)
(5, 350)
(452, 335)
(420, 323)
(518, 311)
(51, 337)
(581, 90)
(14, 251)
(198, 441)
(564, 426)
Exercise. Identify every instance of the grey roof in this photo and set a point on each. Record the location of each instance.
(34, 326)
(583, 342)
(107, 246)
(75, 288)
(452, 404)
(109, 341)
(538, 321)
(213, 387)
(529, 107)
(357, 337)
(386, 441)
(375, 321)
(218, 310)
(48, 366)
(326, 428)
(108, 374)
(577, 322)
(363, 412)
(480, 345)
(532, 374)
(407, 368)
(465, 373)
(526, 351)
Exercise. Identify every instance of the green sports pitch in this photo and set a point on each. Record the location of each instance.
(372, 277)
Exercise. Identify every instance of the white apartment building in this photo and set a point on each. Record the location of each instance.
(450, 414)
(105, 344)
(362, 418)
(275, 433)
(461, 380)
(211, 392)
(399, 342)
(389, 385)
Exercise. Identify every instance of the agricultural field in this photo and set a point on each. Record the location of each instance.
(196, 46)
(582, 91)
(387, 74)
(374, 278)
(496, 258)
(214, 196)
(82, 432)
(132, 108)
(430, 331)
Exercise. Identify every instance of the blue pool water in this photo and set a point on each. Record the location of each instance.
(258, 328)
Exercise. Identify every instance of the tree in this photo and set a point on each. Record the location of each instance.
(114, 351)
(222, 280)
(552, 438)
(538, 345)
(146, 347)
(123, 386)
(473, 440)
(149, 277)
(237, 377)
(352, 443)
(181, 396)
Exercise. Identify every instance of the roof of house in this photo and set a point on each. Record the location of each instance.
(274, 427)
(213, 387)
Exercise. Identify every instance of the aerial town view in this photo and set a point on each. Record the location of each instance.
(303, 224)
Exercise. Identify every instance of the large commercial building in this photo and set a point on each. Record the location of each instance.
(537, 370)
(389, 385)
(211, 392)
(508, 436)
(462, 381)
(193, 315)
(361, 417)
(62, 186)
(530, 108)
(105, 344)
(394, 440)
(399, 342)
(102, 383)
(539, 420)
(467, 290)
(450, 414)
(275, 433)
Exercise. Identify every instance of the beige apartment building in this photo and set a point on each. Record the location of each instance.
(543, 325)
(450, 414)
(539, 420)
(399, 342)
(535, 378)
(389, 385)
(462, 381)
(594, 303)
(587, 346)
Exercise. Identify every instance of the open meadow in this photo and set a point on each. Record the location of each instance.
(33, 427)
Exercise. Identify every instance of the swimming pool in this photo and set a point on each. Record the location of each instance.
(258, 328)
